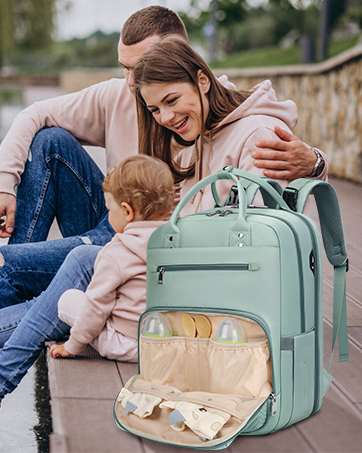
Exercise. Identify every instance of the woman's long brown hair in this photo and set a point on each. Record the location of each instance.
(169, 61)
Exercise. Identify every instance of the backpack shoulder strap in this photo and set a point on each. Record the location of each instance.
(296, 195)
(251, 188)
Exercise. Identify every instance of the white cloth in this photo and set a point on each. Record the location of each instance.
(140, 404)
(204, 422)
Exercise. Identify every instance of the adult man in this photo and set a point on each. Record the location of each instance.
(57, 178)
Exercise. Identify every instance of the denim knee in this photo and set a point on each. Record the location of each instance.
(80, 264)
(47, 139)
(82, 256)
(51, 135)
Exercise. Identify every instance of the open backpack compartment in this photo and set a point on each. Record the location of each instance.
(225, 383)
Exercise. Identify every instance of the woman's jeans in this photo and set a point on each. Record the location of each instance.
(60, 181)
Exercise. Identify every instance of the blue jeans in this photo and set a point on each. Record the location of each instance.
(60, 181)
(25, 327)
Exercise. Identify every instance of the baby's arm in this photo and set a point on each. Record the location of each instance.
(58, 350)
(99, 301)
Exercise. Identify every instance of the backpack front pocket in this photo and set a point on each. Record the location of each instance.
(230, 379)
(164, 361)
(245, 368)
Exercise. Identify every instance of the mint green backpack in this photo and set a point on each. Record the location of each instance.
(231, 342)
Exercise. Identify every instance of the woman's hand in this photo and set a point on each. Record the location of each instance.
(288, 158)
(58, 350)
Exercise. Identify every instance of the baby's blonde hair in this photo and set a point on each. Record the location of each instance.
(145, 183)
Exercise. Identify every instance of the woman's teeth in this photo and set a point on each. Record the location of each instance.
(181, 123)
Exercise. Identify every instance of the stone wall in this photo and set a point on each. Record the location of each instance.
(329, 100)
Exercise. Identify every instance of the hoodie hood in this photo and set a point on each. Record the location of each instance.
(136, 234)
(232, 141)
(263, 101)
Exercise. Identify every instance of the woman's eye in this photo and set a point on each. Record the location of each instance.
(171, 101)
(153, 111)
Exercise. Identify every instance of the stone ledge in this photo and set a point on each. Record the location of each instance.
(301, 69)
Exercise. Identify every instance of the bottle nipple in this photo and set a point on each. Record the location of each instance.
(230, 331)
(157, 325)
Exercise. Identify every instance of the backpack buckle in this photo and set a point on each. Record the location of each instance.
(290, 196)
(233, 197)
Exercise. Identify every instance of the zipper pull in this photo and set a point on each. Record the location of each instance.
(225, 213)
(210, 214)
(161, 271)
(273, 404)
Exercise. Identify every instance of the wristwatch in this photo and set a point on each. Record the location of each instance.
(318, 166)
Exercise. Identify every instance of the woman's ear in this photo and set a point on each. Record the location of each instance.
(128, 211)
(204, 81)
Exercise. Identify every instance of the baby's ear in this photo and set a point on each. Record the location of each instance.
(128, 210)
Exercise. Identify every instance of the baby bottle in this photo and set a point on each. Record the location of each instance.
(230, 331)
(157, 325)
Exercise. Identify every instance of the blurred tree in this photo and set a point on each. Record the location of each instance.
(26, 24)
(6, 29)
(246, 24)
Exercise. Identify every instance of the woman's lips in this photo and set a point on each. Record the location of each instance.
(181, 126)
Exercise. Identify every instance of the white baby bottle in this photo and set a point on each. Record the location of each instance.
(230, 331)
(157, 325)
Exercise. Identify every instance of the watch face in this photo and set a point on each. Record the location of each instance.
(320, 168)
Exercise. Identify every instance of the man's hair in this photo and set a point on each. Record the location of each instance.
(150, 21)
(145, 183)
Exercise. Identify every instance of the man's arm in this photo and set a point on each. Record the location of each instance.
(83, 114)
(288, 158)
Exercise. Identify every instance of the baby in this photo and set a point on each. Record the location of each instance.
(139, 194)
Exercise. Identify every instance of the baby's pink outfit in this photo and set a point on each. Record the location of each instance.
(106, 315)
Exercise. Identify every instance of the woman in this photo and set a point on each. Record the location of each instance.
(179, 98)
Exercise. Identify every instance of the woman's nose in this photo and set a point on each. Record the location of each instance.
(167, 116)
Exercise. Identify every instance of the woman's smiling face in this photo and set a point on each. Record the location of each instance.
(177, 106)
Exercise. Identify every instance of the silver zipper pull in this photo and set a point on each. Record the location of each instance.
(210, 214)
(161, 271)
(273, 404)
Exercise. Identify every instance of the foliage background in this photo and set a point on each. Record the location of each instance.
(248, 33)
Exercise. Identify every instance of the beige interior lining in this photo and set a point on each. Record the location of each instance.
(204, 371)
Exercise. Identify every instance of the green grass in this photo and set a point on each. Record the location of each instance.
(275, 56)
(10, 95)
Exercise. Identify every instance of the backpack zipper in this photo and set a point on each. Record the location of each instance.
(204, 267)
(300, 266)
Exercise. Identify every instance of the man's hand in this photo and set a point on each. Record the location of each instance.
(58, 350)
(7, 208)
(288, 158)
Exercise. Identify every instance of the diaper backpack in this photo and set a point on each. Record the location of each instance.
(231, 342)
